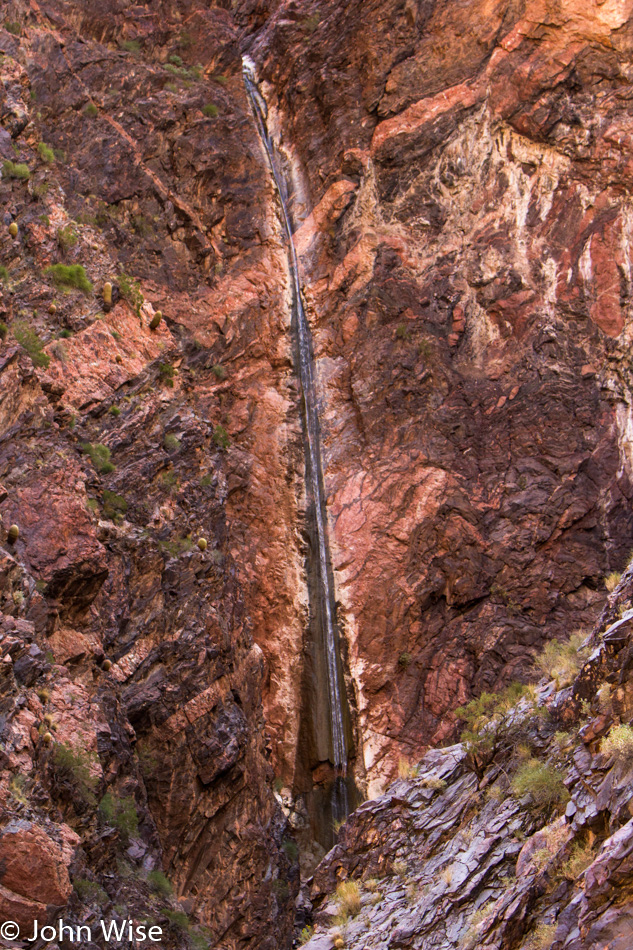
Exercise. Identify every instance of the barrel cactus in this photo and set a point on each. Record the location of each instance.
(155, 323)
(13, 229)
(14, 534)
(202, 544)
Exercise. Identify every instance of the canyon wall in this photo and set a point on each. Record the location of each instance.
(460, 180)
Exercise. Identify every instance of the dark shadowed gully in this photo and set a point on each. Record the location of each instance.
(457, 177)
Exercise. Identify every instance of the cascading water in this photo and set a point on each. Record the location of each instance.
(339, 804)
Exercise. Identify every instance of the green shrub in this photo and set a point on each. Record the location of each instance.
(179, 919)
(67, 237)
(65, 334)
(120, 813)
(30, 341)
(73, 766)
(13, 170)
(218, 371)
(402, 332)
(210, 110)
(3, 330)
(46, 153)
(131, 291)
(541, 782)
(99, 456)
(561, 660)
(166, 372)
(89, 892)
(69, 277)
(221, 437)
(619, 743)
(305, 935)
(487, 723)
(171, 443)
(291, 850)
(115, 411)
(113, 505)
(91, 111)
(130, 46)
(404, 660)
(4, 275)
(12, 26)
(159, 883)
(175, 59)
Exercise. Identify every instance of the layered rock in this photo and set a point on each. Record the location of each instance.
(453, 858)
(463, 221)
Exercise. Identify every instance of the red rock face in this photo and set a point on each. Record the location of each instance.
(464, 236)
(460, 176)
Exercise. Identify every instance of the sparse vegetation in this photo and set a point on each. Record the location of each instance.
(159, 883)
(305, 935)
(89, 891)
(91, 111)
(171, 443)
(581, 857)
(17, 788)
(114, 506)
(120, 813)
(619, 743)
(218, 371)
(612, 580)
(130, 46)
(541, 782)
(348, 900)
(166, 373)
(3, 330)
(30, 341)
(73, 767)
(406, 769)
(4, 274)
(221, 437)
(46, 153)
(67, 237)
(99, 456)
(488, 720)
(210, 110)
(291, 850)
(561, 660)
(130, 289)
(69, 277)
(20, 171)
(404, 661)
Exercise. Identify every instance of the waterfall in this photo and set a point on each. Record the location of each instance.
(314, 475)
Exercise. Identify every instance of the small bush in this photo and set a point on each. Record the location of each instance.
(159, 883)
(541, 782)
(348, 899)
(305, 935)
(221, 437)
(89, 892)
(120, 813)
(619, 743)
(115, 411)
(69, 277)
(99, 456)
(404, 661)
(4, 274)
(13, 170)
(171, 443)
(30, 341)
(402, 332)
(73, 766)
(3, 330)
(581, 857)
(18, 787)
(210, 110)
(12, 26)
(46, 153)
(561, 660)
(130, 46)
(113, 505)
(67, 237)
(166, 372)
(91, 111)
(406, 770)
(130, 289)
(612, 580)
(291, 850)
(218, 371)
(175, 59)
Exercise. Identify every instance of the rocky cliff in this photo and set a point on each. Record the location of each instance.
(458, 180)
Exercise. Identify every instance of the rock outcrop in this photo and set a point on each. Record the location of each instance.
(533, 851)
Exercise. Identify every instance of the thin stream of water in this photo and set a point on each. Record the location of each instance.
(315, 476)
